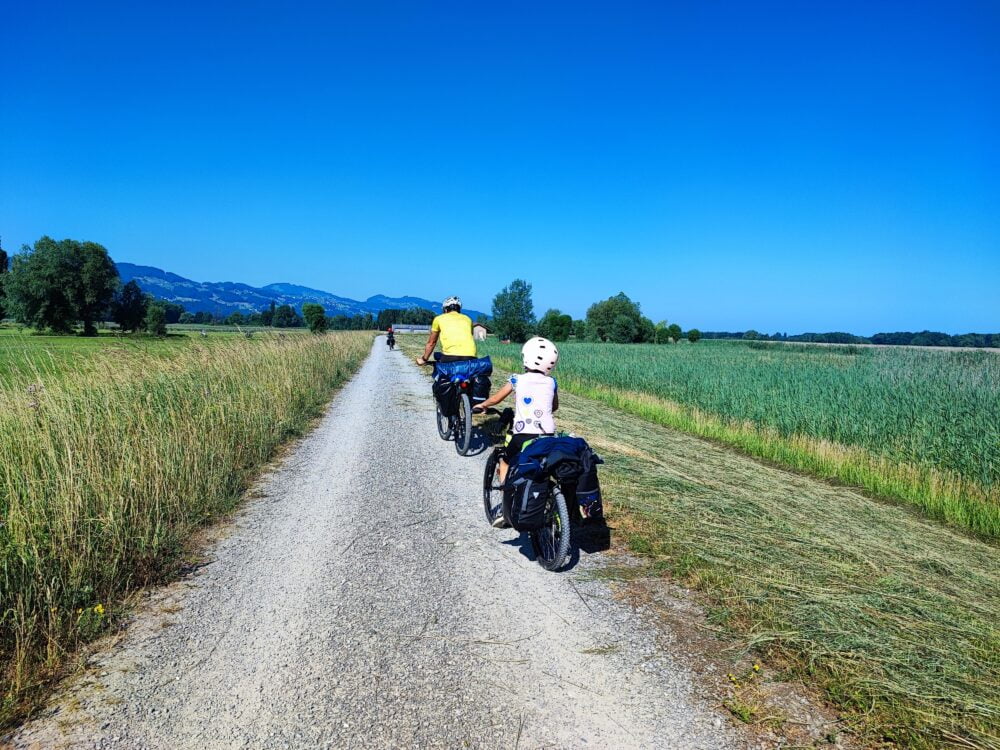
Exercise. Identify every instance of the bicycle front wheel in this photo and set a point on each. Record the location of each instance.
(551, 542)
(463, 425)
(492, 494)
(443, 422)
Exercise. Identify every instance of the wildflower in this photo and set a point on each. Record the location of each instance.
(756, 667)
(99, 609)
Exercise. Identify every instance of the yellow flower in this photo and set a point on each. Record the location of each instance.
(99, 609)
(756, 667)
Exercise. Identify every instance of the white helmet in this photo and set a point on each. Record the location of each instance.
(452, 301)
(539, 354)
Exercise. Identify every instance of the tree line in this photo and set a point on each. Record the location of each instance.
(617, 319)
(57, 285)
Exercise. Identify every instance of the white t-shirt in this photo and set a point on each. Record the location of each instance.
(533, 397)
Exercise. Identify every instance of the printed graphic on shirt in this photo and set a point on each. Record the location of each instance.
(533, 397)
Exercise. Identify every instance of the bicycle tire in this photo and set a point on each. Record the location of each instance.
(492, 497)
(463, 425)
(443, 422)
(551, 542)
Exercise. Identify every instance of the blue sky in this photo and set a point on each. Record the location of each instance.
(782, 166)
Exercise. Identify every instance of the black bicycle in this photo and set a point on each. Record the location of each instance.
(454, 396)
(454, 416)
(551, 541)
(390, 341)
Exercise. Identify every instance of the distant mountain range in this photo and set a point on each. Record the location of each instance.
(224, 297)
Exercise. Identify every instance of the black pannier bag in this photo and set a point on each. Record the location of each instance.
(444, 392)
(588, 487)
(447, 375)
(481, 386)
(527, 504)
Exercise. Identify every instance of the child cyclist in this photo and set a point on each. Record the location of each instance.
(536, 398)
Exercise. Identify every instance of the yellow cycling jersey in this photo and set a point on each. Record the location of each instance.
(455, 334)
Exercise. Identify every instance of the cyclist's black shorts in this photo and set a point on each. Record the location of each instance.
(438, 356)
(516, 443)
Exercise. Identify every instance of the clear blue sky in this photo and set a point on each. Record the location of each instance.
(782, 166)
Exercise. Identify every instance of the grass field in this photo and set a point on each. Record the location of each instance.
(892, 616)
(23, 351)
(919, 426)
(112, 452)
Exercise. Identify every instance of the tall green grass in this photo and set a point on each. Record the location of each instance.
(106, 467)
(920, 426)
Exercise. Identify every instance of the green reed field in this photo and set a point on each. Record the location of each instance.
(112, 451)
(917, 425)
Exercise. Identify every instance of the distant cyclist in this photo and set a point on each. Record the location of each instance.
(454, 331)
(390, 338)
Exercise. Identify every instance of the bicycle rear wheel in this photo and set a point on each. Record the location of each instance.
(551, 542)
(492, 494)
(463, 425)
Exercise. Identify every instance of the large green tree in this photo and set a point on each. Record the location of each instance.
(514, 312)
(128, 309)
(618, 319)
(57, 284)
(97, 285)
(156, 318)
(555, 325)
(315, 317)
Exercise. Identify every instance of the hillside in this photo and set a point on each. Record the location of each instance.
(224, 297)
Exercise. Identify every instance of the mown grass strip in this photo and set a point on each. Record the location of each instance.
(107, 466)
(943, 495)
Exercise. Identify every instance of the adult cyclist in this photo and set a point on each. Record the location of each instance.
(454, 331)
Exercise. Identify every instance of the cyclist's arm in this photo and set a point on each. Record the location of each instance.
(431, 343)
(497, 397)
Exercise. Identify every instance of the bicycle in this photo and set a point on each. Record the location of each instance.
(454, 420)
(551, 541)
(390, 342)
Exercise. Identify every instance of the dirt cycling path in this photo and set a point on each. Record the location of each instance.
(360, 600)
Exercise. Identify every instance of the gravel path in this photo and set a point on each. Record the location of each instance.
(360, 600)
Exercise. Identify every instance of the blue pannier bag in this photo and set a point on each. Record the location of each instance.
(568, 460)
(448, 374)
(465, 369)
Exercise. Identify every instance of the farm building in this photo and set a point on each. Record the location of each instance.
(410, 328)
(479, 332)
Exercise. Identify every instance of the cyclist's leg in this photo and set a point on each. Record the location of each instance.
(511, 448)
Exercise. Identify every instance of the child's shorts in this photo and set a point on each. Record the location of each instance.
(515, 442)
